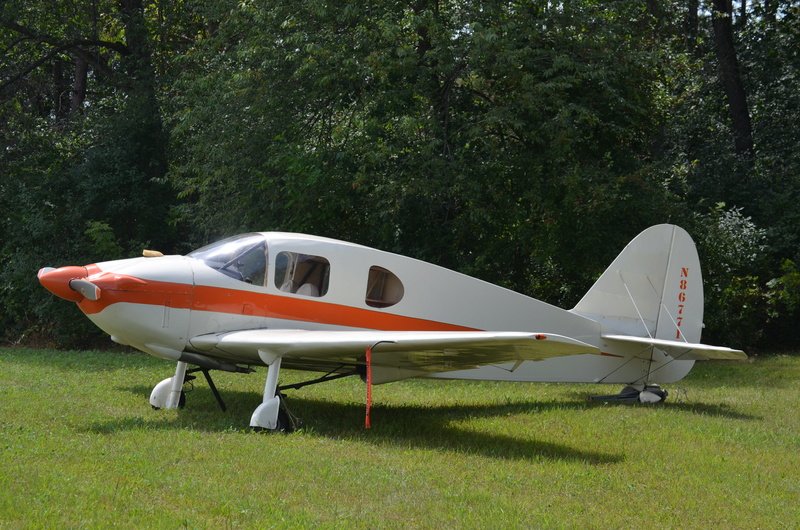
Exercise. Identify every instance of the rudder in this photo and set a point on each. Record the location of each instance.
(654, 288)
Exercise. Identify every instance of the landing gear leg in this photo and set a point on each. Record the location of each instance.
(269, 416)
(169, 394)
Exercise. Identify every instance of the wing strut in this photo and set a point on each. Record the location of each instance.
(211, 385)
(323, 379)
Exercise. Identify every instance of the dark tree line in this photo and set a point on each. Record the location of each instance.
(523, 142)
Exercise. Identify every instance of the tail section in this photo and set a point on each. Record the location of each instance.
(649, 307)
(653, 289)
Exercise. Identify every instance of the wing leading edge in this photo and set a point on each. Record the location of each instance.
(411, 352)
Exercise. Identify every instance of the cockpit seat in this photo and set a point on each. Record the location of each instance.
(308, 289)
(289, 286)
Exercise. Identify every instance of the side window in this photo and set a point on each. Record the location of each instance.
(302, 274)
(253, 266)
(384, 289)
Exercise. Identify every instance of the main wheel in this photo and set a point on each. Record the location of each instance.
(283, 424)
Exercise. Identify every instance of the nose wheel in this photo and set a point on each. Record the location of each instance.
(164, 394)
(159, 403)
(169, 393)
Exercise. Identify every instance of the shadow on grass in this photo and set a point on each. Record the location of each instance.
(444, 428)
(764, 371)
(716, 410)
(426, 427)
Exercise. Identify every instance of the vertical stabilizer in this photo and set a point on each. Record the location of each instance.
(654, 288)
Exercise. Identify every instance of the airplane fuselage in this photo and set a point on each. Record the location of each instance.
(290, 281)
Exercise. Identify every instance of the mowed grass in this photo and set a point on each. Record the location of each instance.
(81, 447)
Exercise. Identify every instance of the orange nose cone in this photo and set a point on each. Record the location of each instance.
(57, 281)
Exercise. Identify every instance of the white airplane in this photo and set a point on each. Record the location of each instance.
(311, 303)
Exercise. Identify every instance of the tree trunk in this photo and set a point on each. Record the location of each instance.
(79, 85)
(691, 25)
(60, 91)
(770, 10)
(732, 79)
(423, 33)
(141, 86)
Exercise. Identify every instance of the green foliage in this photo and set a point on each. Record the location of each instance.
(83, 176)
(730, 242)
(521, 142)
(105, 243)
(785, 290)
(480, 138)
(698, 163)
(731, 249)
(783, 299)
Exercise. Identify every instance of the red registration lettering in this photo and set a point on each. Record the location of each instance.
(683, 286)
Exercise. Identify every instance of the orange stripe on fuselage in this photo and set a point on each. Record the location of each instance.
(237, 302)
(121, 288)
(215, 299)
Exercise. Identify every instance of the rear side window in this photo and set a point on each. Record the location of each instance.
(302, 274)
(384, 289)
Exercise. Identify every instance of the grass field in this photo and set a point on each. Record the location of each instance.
(81, 447)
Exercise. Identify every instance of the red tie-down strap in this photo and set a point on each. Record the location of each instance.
(369, 384)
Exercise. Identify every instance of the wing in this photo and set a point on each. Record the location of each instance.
(683, 350)
(414, 352)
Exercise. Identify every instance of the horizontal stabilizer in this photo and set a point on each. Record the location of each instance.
(685, 351)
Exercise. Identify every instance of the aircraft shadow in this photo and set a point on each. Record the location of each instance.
(676, 402)
(441, 428)
(430, 427)
(438, 427)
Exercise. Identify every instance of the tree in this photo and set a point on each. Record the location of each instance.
(523, 142)
(478, 137)
(732, 78)
(86, 150)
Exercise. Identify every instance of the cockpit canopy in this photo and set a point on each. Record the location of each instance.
(242, 257)
(246, 258)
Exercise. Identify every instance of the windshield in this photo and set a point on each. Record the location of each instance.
(243, 257)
